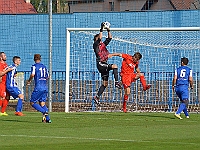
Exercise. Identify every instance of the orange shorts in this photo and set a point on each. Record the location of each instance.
(127, 79)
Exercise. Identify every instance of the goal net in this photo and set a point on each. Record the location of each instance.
(161, 48)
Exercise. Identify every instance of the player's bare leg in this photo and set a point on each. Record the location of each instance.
(4, 106)
(126, 95)
(1, 102)
(143, 81)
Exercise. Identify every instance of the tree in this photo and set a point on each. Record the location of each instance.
(42, 5)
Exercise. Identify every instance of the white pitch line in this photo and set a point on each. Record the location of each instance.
(78, 138)
(96, 139)
(118, 119)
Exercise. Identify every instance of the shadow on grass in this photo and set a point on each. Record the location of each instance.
(154, 116)
(121, 114)
(12, 120)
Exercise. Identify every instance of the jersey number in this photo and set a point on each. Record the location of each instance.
(182, 75)
(42, 72)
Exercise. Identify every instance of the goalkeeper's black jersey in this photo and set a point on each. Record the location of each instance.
(97, 50)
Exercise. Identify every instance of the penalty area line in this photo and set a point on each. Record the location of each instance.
(77, 138)
(95, 139)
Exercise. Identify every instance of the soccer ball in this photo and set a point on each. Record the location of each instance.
(106, 25)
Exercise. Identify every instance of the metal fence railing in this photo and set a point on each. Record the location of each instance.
(159, 97)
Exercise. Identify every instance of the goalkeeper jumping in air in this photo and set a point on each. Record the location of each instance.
(128, 75)
(102, 53)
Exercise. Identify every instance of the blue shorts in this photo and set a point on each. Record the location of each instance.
(14, 91)
(40, 96)
(183, 92)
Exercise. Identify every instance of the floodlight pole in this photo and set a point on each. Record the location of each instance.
(50, 56)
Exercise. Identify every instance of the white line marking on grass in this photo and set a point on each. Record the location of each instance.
(84, 118)
(192, 121)
(72, 117)
(78, 138)
(95, 139)
(127, 119)
(103, 118)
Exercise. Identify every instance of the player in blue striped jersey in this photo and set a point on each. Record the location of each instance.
(181, 82)
(12, 87)
(40, 74)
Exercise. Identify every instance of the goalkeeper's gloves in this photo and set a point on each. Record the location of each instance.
(102, 25)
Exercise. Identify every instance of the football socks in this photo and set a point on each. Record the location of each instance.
(19, 105)
(38, 108)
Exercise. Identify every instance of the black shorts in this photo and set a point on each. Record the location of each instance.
(104, 69)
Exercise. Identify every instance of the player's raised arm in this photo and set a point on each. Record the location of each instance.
(98, 37)
(101, 31)
(109, 33)
(104, 25)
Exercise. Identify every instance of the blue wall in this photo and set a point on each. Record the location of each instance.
(25, 35)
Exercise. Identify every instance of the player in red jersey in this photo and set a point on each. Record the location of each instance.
(128, 75)
(4, 96)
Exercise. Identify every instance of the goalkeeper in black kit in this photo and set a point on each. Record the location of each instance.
(102, 56)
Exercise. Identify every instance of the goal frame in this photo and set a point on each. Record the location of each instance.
(68, 30)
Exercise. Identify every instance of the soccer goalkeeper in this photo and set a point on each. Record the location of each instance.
(103, 67)
(129, 65)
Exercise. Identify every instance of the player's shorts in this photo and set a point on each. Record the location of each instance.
(40, 96)
(2, 91)
(127, 79)
(14, 91)
(104, 69)
(182, 92)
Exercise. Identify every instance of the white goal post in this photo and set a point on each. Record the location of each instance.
(176, 41)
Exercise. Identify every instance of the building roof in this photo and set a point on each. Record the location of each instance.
(182, 4)
(16, 7)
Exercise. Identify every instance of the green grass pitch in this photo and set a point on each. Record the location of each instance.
(100, 131)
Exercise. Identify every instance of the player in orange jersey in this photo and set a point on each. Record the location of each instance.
(4, 96)
(128, 75)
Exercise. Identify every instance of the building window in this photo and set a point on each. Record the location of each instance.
(111, 6)
(148, 4)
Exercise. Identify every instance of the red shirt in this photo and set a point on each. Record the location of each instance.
(128, 65)
(3, 65)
